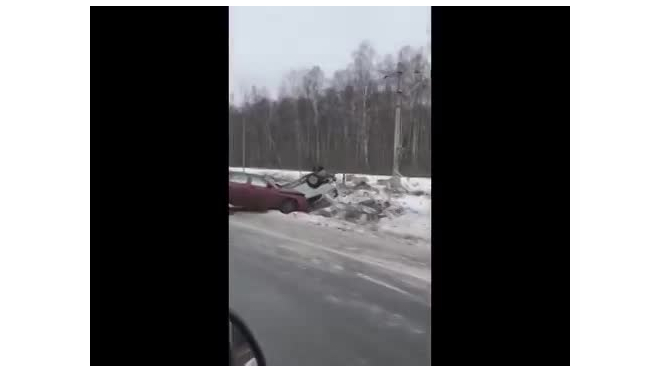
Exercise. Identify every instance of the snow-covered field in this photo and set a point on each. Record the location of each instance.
(369, 204)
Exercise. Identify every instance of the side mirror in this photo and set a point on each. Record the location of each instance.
(243, 347)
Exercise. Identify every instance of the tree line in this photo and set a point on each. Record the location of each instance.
(345, 122)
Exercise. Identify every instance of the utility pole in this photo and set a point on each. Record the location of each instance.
(397, 124)
(397, 120)
(231, 137)
(243, 143)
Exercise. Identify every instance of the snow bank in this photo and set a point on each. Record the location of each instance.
(414, 222)
(369, 204)
(288, 175)
(412, 184)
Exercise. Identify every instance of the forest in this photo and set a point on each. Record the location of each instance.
(344, 122)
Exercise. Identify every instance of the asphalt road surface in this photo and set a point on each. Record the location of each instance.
(314, 295)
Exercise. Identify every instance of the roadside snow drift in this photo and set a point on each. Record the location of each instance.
(370, 203)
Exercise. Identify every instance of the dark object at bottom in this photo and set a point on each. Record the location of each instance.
(243, 347)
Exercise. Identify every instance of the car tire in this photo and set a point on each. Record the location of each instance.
(313, 181)
(288, 206)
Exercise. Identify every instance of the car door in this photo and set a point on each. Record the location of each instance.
(263, 196)
(238, 190)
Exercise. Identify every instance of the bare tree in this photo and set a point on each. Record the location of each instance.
(345, 123)
(364, 65)
(313, 84)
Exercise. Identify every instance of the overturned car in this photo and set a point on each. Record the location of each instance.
(317, 186)
(262, 192)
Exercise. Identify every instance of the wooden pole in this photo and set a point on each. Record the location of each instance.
(397, 125)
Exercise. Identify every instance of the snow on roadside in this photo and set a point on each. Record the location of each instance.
(412, 184)
(414, 222)
(367, 204)
(275, 173)
(417, 232)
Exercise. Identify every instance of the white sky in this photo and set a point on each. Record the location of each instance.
(270, 41)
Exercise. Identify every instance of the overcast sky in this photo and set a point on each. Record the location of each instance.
(270, 41)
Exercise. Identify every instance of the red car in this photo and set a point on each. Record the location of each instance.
(254, 192)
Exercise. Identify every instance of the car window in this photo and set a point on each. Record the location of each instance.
(238, 178)
(259, 182)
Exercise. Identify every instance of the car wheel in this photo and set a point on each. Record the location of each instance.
(313, 180)
(288, 206)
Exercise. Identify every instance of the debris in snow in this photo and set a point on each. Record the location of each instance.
(324, 212)
(399, 206)
(367, 206)
(351, 214)
(363, 185)
(356, 179)
(376, 205)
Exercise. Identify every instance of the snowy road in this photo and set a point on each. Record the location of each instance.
(315, 295)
